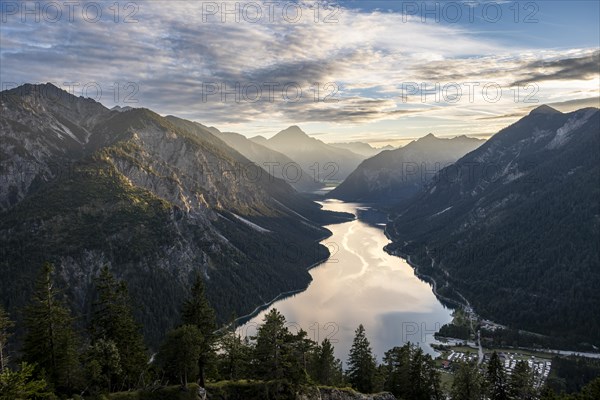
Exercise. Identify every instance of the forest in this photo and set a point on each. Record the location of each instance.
(110, 360)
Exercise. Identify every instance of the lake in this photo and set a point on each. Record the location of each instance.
(361, 283)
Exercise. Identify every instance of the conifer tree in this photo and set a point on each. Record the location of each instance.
(180, 352)
(362, 366)
(411, 374)
(298, 349)
(591, 391)
(103, 365)
(50, 341)
(22, 385)
(468, 383)
(521, 382)
(198, 312)
(270, 348)
(325, 368)
(496, 379)
(234, 355)
(396, 370)
(113, 322)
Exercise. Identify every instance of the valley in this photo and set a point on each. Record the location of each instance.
(171, 199)
(361, 284)
(308, 200)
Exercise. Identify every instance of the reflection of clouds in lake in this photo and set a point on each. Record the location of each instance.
(405, 327)
(366, 285)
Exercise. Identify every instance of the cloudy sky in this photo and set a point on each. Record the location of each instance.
(377, 71)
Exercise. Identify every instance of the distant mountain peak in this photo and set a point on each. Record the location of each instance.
(544, 109)
(292, 131)
(44, 89)
(258, 139)
(121, 109)
(427, 137)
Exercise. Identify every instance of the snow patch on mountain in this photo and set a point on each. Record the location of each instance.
(61, 128)
(251, 224)
(563, 133)
(441, 212)
(513, 176)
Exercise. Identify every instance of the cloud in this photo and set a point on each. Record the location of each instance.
(578, 68)
(504, 116)
(171, 54)
(576, 104)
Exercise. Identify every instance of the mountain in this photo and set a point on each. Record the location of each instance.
(260, 140)
(271, 161)
(41, 135)
(327, 162)
(157, 200)
(514, 225)
(396, 175)
(121, 109)
(364, 149)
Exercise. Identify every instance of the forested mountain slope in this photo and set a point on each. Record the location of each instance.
(157, 202)
(514, 226)
(396, 175)
(271, 161)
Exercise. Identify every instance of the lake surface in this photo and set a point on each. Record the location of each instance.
(361, 283)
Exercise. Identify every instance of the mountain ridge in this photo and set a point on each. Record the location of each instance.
(395, 175)
(273, 162)
(509, 226)
(156, 201)
(326, 162)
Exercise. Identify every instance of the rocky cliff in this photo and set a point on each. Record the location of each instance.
(84, 186)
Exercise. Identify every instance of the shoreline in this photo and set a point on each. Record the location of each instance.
(429, 279)
(426, 278)
(283, 295)
(280, 296)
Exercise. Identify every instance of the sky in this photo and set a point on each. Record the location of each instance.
(383, 72)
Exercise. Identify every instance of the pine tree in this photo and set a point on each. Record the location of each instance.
(180, 352)
(21, 385)
(521, 382)
(496, 379)
(234, 355)
(425, 379)
(362, 366)
(591, 391)
(396, 370)
(298, 349)
(103, 364)
(325, 368)
(468, 383)
(270, 348)
(411, 374)
(417, 376)
(113, 321)
(198, 312)
(50, 341)
(5, 326)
